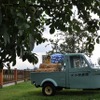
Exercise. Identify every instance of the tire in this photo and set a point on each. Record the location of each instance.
(48, 89)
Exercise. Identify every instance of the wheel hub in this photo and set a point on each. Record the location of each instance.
(48, 90)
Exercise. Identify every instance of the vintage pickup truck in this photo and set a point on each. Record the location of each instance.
(77, 72)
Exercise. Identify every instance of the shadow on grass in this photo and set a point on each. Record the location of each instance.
(38, 92)
(78, 92)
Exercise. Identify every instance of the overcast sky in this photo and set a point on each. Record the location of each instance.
(41, 49)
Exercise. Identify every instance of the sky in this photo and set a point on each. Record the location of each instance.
(41, 49)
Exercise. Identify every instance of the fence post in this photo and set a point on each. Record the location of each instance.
(15, 75)
(1, 78)
(24, 75)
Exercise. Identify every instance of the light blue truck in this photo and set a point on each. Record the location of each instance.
(77, 72)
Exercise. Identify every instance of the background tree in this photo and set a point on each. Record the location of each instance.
(71, 43)
(77, 41)
(21, 27)
(22, 23)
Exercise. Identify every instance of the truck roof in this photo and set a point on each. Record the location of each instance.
(72, 54)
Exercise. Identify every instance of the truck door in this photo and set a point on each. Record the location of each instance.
(78, 72)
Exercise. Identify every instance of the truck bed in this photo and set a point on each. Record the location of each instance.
(38, 78)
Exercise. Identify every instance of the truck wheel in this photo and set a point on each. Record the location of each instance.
(48, 89)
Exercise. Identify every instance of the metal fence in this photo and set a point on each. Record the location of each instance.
(14, 75)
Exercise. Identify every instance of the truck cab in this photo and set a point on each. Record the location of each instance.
(77, 72)
(80, 72)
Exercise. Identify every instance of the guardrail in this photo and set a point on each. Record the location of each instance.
(9, 76)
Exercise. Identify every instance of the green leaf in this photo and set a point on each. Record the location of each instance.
(21, 32)
(26, 25)
(20, 15)
(52, 30)
(98, 40)
(0, 17)
(47, 21)
(89, 39)
(24, 57)
(14, 62)
(30, 58)
(90, 47)
(47, 11)
(35, 59)
(77, 28)
(31, 41)
(18, 51)
(5, 35)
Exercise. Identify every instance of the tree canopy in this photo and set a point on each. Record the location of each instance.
(22, 23)
(74, 42)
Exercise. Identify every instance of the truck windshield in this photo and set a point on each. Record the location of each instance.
(89, 60)
(92, 65)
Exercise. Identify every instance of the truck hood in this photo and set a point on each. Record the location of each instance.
(96, 70)
(95, 67)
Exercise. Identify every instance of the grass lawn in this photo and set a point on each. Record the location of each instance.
(26, 91)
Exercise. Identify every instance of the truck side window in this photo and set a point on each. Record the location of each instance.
(78, 62)
(84, 63)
